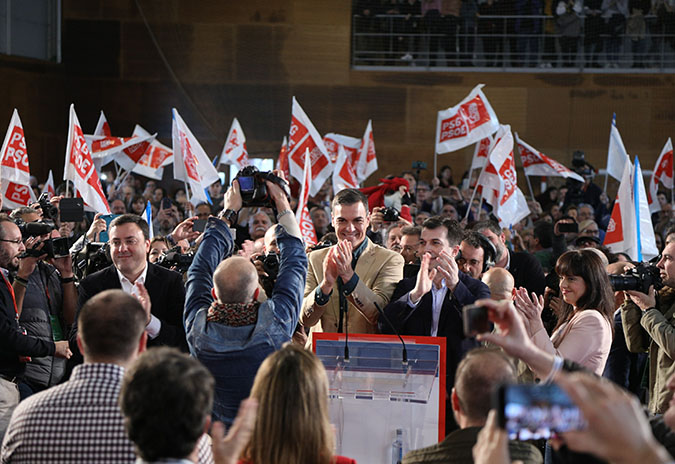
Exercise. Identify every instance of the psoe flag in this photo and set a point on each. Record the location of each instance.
(466, 123)
(343, 174)
(191, 164)
(234, 151)
(367, 161)
(79, 167)
(663, 173)
(302, 213)
(481, 152)
(156, 157)
(49, 186)
(535, 163)
(14, 155)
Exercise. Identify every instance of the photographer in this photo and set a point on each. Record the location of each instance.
(46, 298)
(228, 330)
(648, 325)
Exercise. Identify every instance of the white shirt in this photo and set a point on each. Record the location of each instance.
(155, 325)
(437, 295)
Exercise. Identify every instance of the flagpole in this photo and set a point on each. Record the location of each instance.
(435, 163)
(529, 184)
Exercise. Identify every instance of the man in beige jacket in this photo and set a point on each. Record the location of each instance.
(347, 280)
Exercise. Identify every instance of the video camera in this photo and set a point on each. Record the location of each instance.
(253, 188)
(53, 247)
(639, 278)
(176, 260)
(390, 214)
(49, 211)
(93, 257)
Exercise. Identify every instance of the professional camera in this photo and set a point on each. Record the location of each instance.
(639, 278)
(253, 189)
(270, 264)
(390, 214)
(176, 260)
(92, 258)
(33, 229)
(322, 245)
(53, 247)
(49, 211)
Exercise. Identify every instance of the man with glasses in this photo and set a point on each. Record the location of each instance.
(154, 285)
(15, 345)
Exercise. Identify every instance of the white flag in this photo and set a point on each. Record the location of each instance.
(234, 151)
(156, 157)
(343, 174)
(15, 170)
(535, 163)
(49, 185)
(616, 154)
(663, 173)
(367, 161)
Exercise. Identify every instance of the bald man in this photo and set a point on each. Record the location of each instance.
(501, 283)
(228, 329)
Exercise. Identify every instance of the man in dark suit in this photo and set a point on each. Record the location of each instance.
(524, 267)
(131, 272)
(431, 303)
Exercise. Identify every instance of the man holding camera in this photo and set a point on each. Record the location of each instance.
(15, 344)
(649, 325)
(346, 282)
(129, 245)
(227, 328)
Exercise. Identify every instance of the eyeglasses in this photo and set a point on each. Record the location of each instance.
(16, 241)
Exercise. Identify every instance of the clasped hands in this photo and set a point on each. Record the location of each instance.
(337, 263)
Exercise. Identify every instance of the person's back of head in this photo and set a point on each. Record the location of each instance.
(235, 280)
(543, 232)
(111, 327)
(166, 399)
(478, 375)
(292, 424)
(500, 282)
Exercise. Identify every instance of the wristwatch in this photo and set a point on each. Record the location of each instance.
(230, 216)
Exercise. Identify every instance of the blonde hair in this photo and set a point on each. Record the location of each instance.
(292, 424)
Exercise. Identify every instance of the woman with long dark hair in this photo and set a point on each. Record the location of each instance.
(584, 332)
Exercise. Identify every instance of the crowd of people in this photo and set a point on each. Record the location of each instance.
(144, 337)
(516, 33)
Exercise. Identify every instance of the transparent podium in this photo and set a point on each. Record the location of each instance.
(374, 394)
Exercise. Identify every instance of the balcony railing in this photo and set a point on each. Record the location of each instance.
(513, 43)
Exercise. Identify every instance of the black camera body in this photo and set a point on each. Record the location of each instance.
(94, 257)
(176, 260)
(253, 188)
(53, 247)
(33, 229)
(270, 263)
(390, 214)
(639, 278)
(49, 211)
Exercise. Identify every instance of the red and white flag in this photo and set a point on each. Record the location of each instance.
(102, 126)
(191, 163)
(663, 173)
(234, 151)
(468, 122)
(351, 146)
(282, 160)
(49, 186)
(500, 183)
(156, 157)
(535, 163)
(481, 152)
(304, 137)
(302, 213)
(367, 160)
(15, 169)
(79, 167)
(343, 174)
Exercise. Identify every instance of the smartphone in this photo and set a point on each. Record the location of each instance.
(475, 318)
(103, 236)
(166, 203)
(534, 412)
(72, 209)
(565, 227)
(198, 225)
(419, 165)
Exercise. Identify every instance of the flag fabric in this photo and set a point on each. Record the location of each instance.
(282, 160)
(343, 173)
(481, 152)
(148, 218)
(366, 164)
(351, 146)
(191, 163)
(102, 126)
(79, 167)
(663, 173)
(302, 213)
(15, 169)
(156, 157)
(49, 186)
(468, 122)
(304, 137)
(234, 151)
(616, 153)
(630, 228)
(500, 183)
(535, 163)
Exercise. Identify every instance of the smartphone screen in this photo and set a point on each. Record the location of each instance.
(103, 236)
(475, 320)
(198, 225)
(246, 183)
(533, 412)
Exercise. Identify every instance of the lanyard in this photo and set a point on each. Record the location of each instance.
(11, 292)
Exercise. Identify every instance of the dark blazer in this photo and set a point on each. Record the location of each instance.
(167, 295)
(527, 272)
(417, 321)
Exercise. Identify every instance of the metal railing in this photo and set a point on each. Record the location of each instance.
(499, 43)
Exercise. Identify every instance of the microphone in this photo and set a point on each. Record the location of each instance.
(405, 351)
